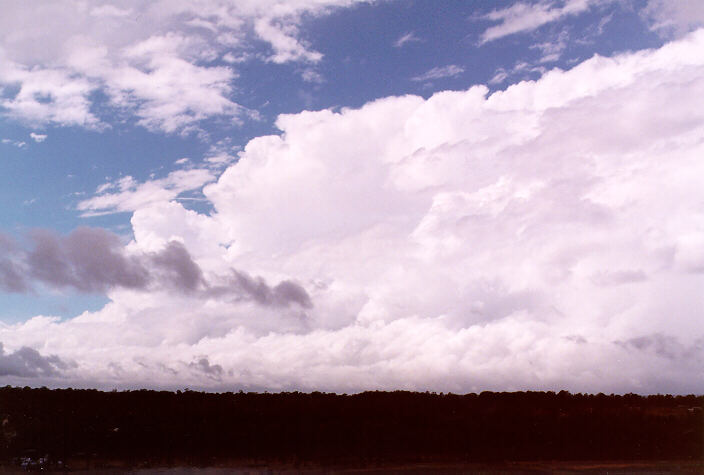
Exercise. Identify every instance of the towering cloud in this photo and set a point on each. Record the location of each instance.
(547, 235)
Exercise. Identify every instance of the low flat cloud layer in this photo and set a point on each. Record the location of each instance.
(549, 235)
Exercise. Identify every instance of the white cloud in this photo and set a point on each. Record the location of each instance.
(202, 92)
(282, 37)
(37, 137)
(545, 236)
(110, 11)
(311, 75)
(499, 76)
(448, 71)
(409, 37)
(552, 50)
(153, 60)
(221, 154)
(47, 95)
(520, 69)
(524, 17)
(592, 32)
(674, 17)
(126, 194)
(232, 59)
(14, 143)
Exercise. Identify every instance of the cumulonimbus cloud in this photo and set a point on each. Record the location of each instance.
(548, 235)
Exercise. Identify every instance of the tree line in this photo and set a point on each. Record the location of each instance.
(198, 428)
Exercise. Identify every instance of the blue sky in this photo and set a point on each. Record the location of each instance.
(160, 176)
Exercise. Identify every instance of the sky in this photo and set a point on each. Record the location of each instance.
(350, 195)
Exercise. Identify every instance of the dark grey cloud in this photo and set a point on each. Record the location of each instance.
(202, 365)
(88, 260)
(11, 276)
(178, 267)
(576, 339)
(287, 292)
(94, 260)
(618, 277)
(665, 346)
(29, 363)
(244, 286)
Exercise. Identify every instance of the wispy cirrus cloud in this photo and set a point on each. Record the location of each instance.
(448, 71)
(282, 37)
(14, 143)
(409, 37)
(127, 194)
(524, 16)
(552, 50)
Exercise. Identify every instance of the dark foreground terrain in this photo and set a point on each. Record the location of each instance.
(88, 429)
